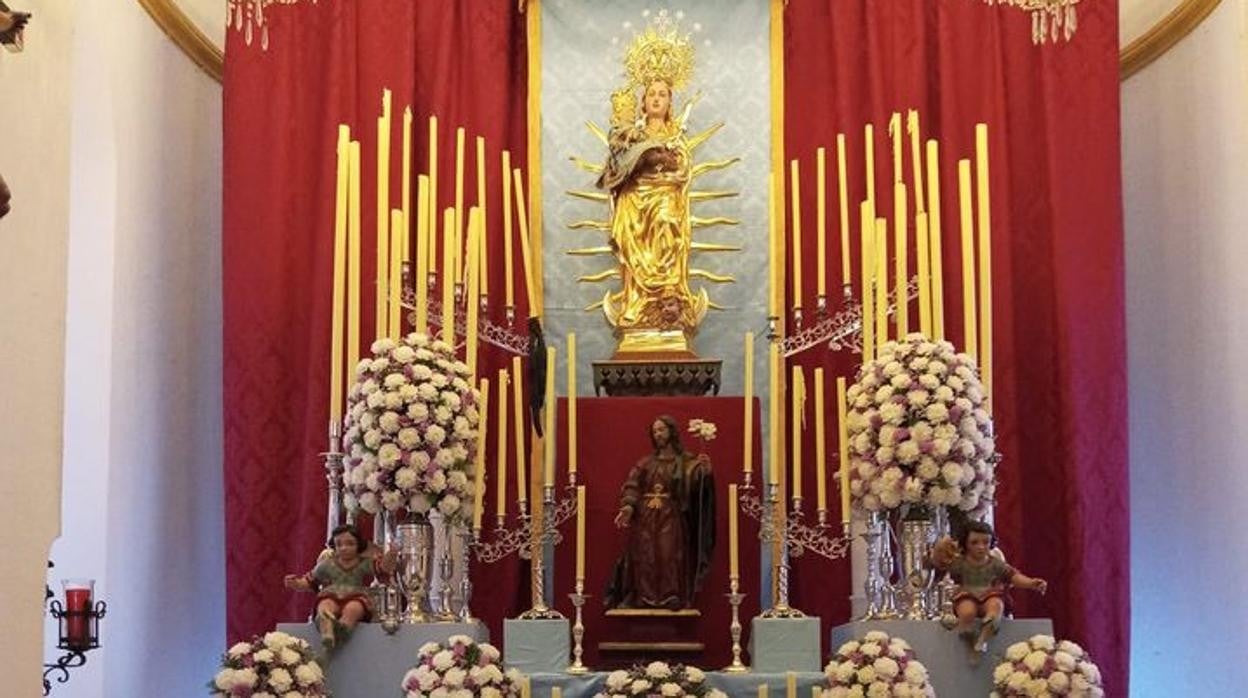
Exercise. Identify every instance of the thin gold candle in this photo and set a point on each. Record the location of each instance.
(459, 205)
(556, 692)
(821, 447)
(925, 277)
(548, 478)
(894, 134)
(867, 231)
(821, 222)
(338, 297)
(969, 323)
(916, 159)
(773, 260)
(747, 458)
(448, 291)
(580, 533)
(500, 489)
(478, 492)
(901, 267)
(422, 254)
(394, 303)
(796, 198)
(472, 306)
(509, 278)
(381, 315)
(869, 137)
(762, 690)
(934, 238)
(483, 273)
(571, 406)
(842, 438)
(521, 426)
(405, 194)
(790, 684)
(734, 561)
(796, 419)
(773, 416)
(985, 258)
(842, 187)
(522, 217)
(881, 282)
(433, 195)
(354, 205)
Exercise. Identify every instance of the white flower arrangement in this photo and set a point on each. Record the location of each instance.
(919, 430)
(877, 666)
(659, 679)
(411, 430)
(275, 665)
(460, 667)
(1041, 667)
(702, 429)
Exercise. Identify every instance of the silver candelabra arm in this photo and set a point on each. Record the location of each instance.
(843, 329)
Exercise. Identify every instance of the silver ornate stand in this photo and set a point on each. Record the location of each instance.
(769, 534)
(549, 535)
(735, 597)
(333, 477)
(471, 539)
(900, 583)
(517, 540)
(415, 569)
(799, 537)
(578, 630)
(446, 574)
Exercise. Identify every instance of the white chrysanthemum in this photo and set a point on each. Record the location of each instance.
(289, 656)
(404, 354)
(245, 677)
(309, 673)
(388, 455)
(671, 690)
(1017, 680)
(408, 438)
(281, 680)
(886, 667)
(847, 648)
(1059, 683)
(224, 679)
(1070, 648)
(379, 365)
(264, 656)
(443, 660)
(435, 435)
(617, 680)
(1042, 642)
(454, 677)
(866, 675)
(639, 686)
(1064, 660)
(916, 673)
(1002, 672)
(449, 504)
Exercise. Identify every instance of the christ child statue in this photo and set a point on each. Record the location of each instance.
(340, 580)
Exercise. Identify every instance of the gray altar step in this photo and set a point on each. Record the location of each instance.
(371, 664)
(944, 653)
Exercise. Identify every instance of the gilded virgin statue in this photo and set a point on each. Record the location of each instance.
(647, 182)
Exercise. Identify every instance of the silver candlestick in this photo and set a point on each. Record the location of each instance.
(772, 533)
(539, 610)
(578, 630)
(797, 319)
(821, 305)
(735, 597)
(471, 539)
(333, 477)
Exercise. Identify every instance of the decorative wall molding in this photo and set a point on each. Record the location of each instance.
(1163, 35)
(193, 42)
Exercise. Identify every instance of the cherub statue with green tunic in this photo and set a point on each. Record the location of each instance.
(340, 580)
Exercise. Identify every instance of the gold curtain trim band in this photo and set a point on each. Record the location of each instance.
(178, 27)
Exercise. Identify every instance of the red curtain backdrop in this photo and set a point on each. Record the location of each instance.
(327, 63)
(1060, 391)
(1058, 262)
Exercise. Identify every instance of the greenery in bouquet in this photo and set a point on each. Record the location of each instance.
(411, 430)
(919, 430)
(276, 665)
(877, 666)
(460, 668)
(1042, 667)
(659, 679)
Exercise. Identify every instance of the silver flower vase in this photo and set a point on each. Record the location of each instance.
(415, 568)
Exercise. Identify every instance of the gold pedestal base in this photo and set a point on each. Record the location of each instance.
(657, 375)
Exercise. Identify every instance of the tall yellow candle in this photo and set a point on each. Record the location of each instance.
(353, 262)
(734, 559)
(821, 446)
(821, 222)
(796, 198)
(526, 688)
(405, 194)
(869, 137)
(842, 439)
(901, 267)
(478, 492)
(580, 533)
(459, 204)
(381, 293)
(521, 425)
(894, 133)
(867, 232)
(500, 489)
(925, 275)
(394, 303)
(433, 195)
(472, 306)
(556, 692)
(934, 238)
(985, 258)
(797, 419)
(773, 416)
(448, 290)
(338, 297)
(747, 458)
(762, 690)
(571, 406)
(773, 256)
(970, 325)
(509, 279)
(881, 282)
(422, 254)
(522, 217)
(483, 276)
(916, 159)
(842, 187)
(549, 433)
(790, 684)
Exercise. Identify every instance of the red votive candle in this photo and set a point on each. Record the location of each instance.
(78, 612)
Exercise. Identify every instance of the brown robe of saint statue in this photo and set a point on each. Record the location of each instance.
(667, 506)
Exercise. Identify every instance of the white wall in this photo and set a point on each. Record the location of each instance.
(34, 159)
(1185, 138)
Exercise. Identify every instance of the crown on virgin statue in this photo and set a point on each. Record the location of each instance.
(660, 52)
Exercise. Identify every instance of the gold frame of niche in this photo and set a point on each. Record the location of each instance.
(1134, 57)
